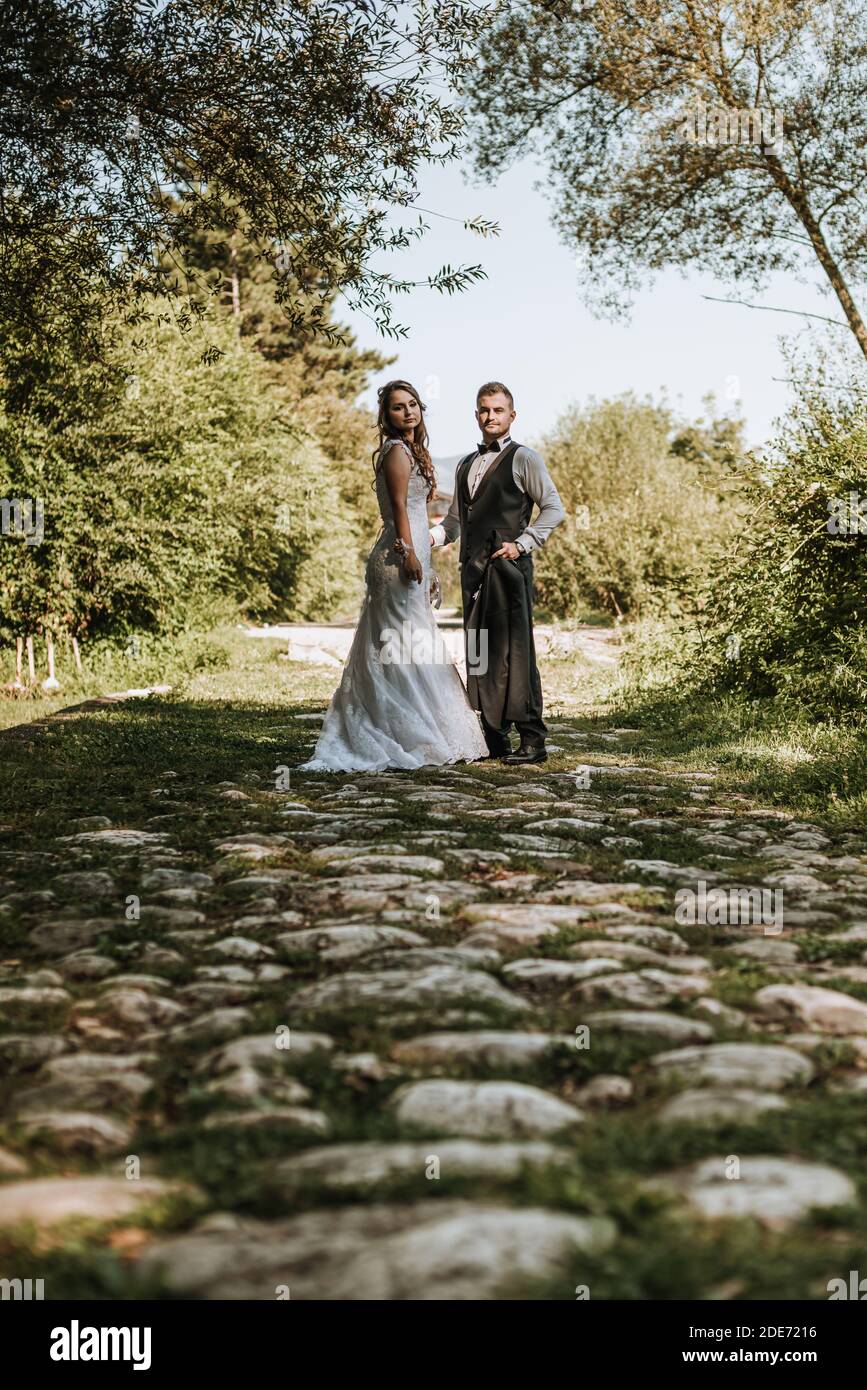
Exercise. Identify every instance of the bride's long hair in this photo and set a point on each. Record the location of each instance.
(419, 442)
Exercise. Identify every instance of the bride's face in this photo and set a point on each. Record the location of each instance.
(404, 411)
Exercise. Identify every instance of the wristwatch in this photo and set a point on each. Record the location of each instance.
(521, 550)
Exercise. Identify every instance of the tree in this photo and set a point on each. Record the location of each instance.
(310, 117)
(728, 136)
(322, 377)
(174, 494)
(647, 503)
(714, 444)
(786, 603)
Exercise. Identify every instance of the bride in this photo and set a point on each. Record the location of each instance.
(400, 702)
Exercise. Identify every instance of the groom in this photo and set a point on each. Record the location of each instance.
(495, 488)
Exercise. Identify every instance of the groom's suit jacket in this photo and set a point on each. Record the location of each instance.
(500, 650)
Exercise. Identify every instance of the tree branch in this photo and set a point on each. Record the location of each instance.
(771, 309)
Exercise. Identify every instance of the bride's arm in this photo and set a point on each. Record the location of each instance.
(396, 470)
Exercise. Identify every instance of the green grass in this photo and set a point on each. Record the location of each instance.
(774, 750)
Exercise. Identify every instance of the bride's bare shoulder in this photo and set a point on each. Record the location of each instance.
(395, 453)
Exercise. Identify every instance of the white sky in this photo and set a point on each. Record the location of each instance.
(527, 324)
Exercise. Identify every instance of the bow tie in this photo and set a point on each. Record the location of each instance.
(490, 448)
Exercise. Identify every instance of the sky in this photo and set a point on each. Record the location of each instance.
(528, 325)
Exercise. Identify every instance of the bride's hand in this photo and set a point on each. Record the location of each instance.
(412, 569)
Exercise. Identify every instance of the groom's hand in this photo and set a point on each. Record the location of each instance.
(509, 549)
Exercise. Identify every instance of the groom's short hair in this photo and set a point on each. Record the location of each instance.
(491, 388)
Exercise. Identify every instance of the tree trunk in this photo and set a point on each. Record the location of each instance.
(236, 284)
(19, 663)
(797, 200)
(76, 655)
(52, 683)
(31, 664)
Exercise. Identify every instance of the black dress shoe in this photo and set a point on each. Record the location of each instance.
(534, 753)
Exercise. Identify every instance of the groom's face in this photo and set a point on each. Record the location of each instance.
(494, 415)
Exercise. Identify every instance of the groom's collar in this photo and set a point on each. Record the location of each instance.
(501, 444)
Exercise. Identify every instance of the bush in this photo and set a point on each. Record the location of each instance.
(175, 493)
(648, 505)
(787, 615)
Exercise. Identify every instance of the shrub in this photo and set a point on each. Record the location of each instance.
(648, 506)
(176, 493)
(786, 616)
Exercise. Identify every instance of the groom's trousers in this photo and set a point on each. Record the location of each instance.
(530, 726)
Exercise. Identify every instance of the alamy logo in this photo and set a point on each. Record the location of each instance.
(847, 516)
(855, 1289)
(76, 1343)
(731, 125)
(25, 1289)
(419, 646)
(730, 906)
(24, 517)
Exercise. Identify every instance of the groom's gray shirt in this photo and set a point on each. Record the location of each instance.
(532, 477)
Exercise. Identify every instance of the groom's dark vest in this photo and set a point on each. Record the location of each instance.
(499, 509)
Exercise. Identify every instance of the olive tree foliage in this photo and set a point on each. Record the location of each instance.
(308, 119)
(729, 137)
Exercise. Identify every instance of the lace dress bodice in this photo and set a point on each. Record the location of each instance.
(416, 501)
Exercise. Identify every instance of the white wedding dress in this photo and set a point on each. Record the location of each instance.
(400, 702)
